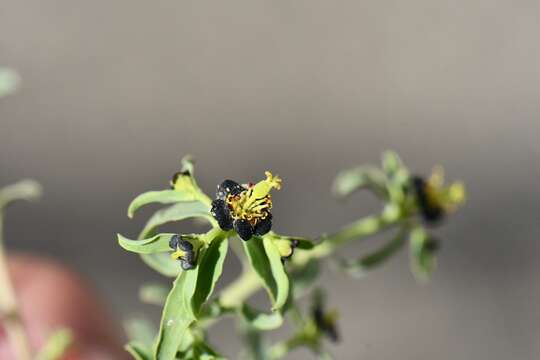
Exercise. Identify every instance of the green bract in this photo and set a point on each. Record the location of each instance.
(285, 266)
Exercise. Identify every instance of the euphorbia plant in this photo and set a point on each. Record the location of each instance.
(286, 266)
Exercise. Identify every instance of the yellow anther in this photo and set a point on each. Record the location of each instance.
(275, 181)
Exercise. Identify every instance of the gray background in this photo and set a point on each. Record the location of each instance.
(115, 92)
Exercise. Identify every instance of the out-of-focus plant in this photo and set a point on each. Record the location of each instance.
(287, 267)
(28, 190)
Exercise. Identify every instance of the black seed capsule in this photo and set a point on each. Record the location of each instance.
(329, 328)
(185, 245)
(244, 229)
(228, 187)
(263, 226)
(429, 211)
(173, 243)
(221, 213)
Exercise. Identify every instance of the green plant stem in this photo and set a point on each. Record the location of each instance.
(359, 229)
(9, 311)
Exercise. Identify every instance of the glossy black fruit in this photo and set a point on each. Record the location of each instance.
(263, 226)
(244, 229)
(221, 213)
(228, 187)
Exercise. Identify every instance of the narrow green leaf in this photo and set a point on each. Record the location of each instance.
(160, 197)
(278, 272)
(351, 180)
(139, 351)
(177, 212)
(23, 190)
(265, 259)
(155, 244)
(260, 320)
(213, 260)
(359, 267)
(56, 345)
(177, 315)
(153, 293)
(187, 295)
(9, 81)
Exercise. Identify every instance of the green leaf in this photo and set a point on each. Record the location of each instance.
(160, 197)
(153, 293)
(423, 261)
(139, 351)
(260, 320)
(155, 244)
(162, 263)
(359, 267)
(265, 259)
(349, 181)
(177, 212)
(23, 190)
(9, 81)
(56, 345)
(187, 295)
(212, 259)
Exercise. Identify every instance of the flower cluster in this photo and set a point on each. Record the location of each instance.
(183, 251)
(245, 208)
(435, 199)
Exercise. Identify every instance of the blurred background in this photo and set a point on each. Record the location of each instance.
(114, 93)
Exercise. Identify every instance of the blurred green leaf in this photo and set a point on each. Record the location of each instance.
(139, 351)
(423, 260)
(155, 244)
(265, 259)
(351, 180)
(56, 345)
(177, 212)
(23, 190)
(160, 197)
(260, 320)
(9, 81)
(359, 267)
(153, 293)
(188, 293)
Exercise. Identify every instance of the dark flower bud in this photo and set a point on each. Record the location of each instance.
(432, 245)
(244, 229)
(263, 226)
(228, 187)
(326, 323)
(430, 210)
(221, 213)
(177, 176)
